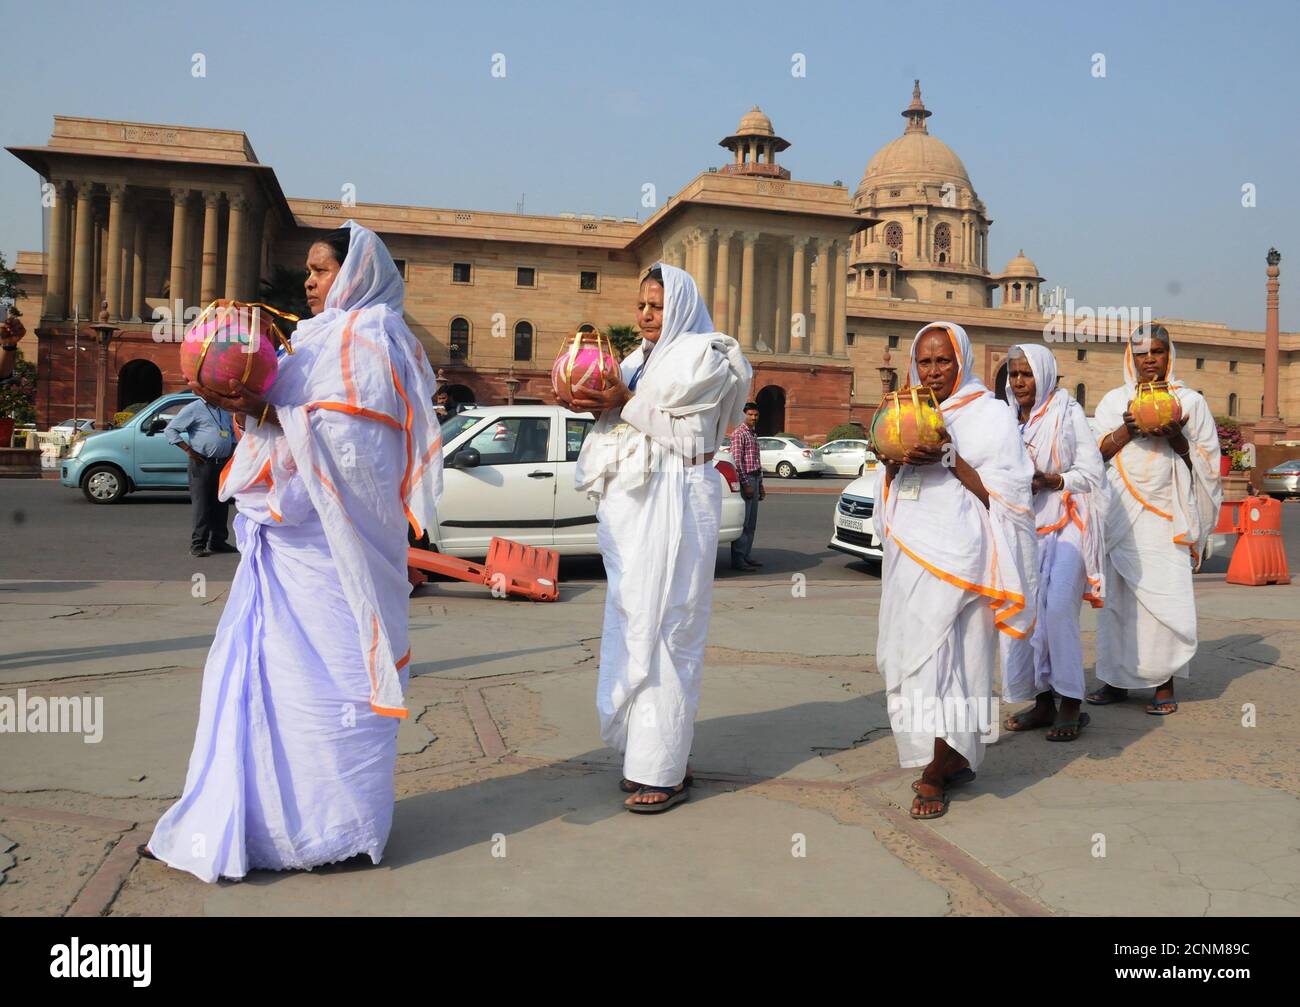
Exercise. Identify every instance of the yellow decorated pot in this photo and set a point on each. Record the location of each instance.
(1154, 406)
(906, 419)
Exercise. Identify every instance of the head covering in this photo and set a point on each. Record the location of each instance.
(1042, 362)
(684, 315)
(1138, 342)
(368, 276)
(968, 387)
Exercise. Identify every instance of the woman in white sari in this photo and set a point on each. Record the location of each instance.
(303, 688)
(957, 524)
(1069, 511)
(1165, 496)
(649, 463)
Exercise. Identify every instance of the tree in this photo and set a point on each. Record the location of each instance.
(284, 292)
(624, 338)
(9, 289)
(18, 397)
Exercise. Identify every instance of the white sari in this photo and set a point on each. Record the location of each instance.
(954, 572)
(1069, 523)
(1161, 515)
(293, 759)
(659, 513)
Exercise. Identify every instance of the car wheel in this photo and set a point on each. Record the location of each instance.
(785, 470)
(104, 484)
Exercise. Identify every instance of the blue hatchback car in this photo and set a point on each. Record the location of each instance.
(109, 464)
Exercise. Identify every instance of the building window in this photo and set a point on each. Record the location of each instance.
(1080, 355)
(523, 341)
(1232, 404)
(401, 267)
(461, 272)
(848, 338)
(943, 241)
(459, 342)
(525, 276)
(586, 327)
(894, 235)
(948, 294)
(893, 342)
(1081, 395)
(1200, 363)
(1015, 293)
(1232, 367)
(588, 279)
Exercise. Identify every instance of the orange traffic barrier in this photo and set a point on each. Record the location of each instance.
(511, 568)
(1260, 556)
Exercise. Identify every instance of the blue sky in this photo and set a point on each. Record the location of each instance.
(1126, 189)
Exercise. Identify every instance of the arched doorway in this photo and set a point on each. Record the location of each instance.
(1000, 381)
(139, 381)
(461, 394)
(771, 410)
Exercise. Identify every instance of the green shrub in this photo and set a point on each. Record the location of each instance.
(847, 431)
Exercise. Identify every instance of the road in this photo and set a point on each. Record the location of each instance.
(53, 533)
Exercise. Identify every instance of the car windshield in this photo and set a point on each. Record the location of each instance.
(457, 425)
(796, 442)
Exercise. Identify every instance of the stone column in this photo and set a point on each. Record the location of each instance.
(799, 322)
(56, 273)
(749, 239)
(841, 306)
(138, 309)
(783, 284)
(705, 279)
(179, 279)
(128, 261)
(113, 267)
(235, 246)
(208, 291)
(721, 280)
(96, 258)
(1270, 427)
(83, 252)
(825, 300)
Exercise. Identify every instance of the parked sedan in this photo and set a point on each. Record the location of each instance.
(852, 531)
(849, 457)
(789, 457)
(1283, 480)
(508, 472)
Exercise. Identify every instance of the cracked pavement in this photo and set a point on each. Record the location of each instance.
(507, 800)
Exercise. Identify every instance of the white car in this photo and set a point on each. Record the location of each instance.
(849, 457)
(508, 472)
(852, 531)
(789, 457)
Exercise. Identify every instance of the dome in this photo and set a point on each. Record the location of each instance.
(755, 123)
(1021, 266)
(913, 155)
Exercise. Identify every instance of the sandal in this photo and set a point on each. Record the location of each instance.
(1075, 727)
(1022, 721)
(1162, 707)
(960, 778)
(675, 795)
(942, 799)
(1106, 695)
(628, 787)
(144, 853)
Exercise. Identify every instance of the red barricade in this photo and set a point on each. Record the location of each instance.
(1260, 556)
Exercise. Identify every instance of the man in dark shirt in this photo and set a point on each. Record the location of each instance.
(211, 443)
(749, 464)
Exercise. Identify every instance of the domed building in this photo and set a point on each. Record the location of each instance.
(930, 238)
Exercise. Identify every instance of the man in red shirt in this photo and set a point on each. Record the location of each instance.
(749, 463)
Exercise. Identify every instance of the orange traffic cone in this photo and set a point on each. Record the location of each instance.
(1260, 557)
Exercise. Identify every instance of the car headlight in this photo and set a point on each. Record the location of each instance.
(76, 448)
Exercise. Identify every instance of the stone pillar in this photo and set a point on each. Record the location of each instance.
(235, 247)
(128, 261)
(194, 252)
(1270, 427)
(113, 267)
(705, 278)
(841, 306)
(825, 298)
(749, 239)
(83, 252)
(783, 284)
(138, 308)
(179, 279)
(56, 270)
(208, 291)
(96, 259)
(721, 280)
(799, 327)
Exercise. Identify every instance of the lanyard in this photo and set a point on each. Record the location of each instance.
(216, 418)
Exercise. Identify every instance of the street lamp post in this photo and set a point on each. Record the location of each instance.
(105, 332)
